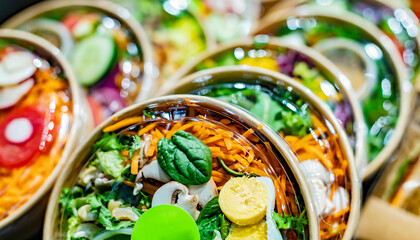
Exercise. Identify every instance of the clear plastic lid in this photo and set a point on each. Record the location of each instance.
(298, 118)
(107, 53)
(171, 27)
(183, 153)
(367, 64)
(36, 113)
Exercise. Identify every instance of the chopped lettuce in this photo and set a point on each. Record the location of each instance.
(118, 142)
(288, 114)
(72, 224)
(295, 223)
(111, 162)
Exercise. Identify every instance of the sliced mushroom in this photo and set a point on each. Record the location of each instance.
(175, 193)
(85, 214)
(205, 192)
(144, 146)
(323, 205)
(125, 213)
(152, 171)
(112, 204)
(86, 231)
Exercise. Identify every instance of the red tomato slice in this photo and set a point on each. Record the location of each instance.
(14, 155)
(70, 21)
(97, 111)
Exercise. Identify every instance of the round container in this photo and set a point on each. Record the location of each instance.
(239, 18)
(119, 70)
(63, 127)
(190, 108)
(385, 92)
(394, 19)
(171, 26)
(219, 82)
(325, 79)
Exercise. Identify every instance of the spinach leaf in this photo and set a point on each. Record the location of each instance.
(185, 158)
(212, 218)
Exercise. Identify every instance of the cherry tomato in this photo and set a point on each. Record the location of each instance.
(97, 111)
(14, 155)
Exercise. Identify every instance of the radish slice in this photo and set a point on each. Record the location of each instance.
(16, 67)
(9, 96)
(19, 130)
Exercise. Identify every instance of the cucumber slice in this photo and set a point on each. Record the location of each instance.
(93, 57)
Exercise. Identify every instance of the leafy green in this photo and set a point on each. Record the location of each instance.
(185, 158)
(118, 142)
(281, 118)
(400, 176)
(111, 162)
(72, 224)
(295, 223)
(98, 204)
(211, 218)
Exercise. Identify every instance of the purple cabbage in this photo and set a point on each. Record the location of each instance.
(286, 62)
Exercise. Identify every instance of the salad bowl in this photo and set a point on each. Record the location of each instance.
(41, 123)
(107, 49)
(207, 125)
(378, 77)
(307, 125)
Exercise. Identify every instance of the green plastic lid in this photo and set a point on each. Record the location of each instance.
(165, 222)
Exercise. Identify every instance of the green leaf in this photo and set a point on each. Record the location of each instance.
(295, 223)
(111, 162)
(72, 224)
(185, 158)
(268, 109)
(212, 218)
(108, 142)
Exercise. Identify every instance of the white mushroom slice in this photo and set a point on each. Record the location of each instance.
(10, 95)
(112, 204)
(205, 192)
(16, 67)
(315, 169)
(272, 232)
(125, 213)
(152, 171)
(175, 193)
(340, 199)
(85, 215)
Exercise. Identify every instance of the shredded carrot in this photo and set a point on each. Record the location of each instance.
(146, 129)
(123, 123)
(248, 133)
(135, 163)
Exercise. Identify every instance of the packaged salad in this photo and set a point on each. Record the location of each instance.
(107, 49)
(238, 17)
(367, 57)
(396, 20)
(304, 65)
(306, 124)
(395, 202)
(40, 124)
(227, 170)
(175, 32)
